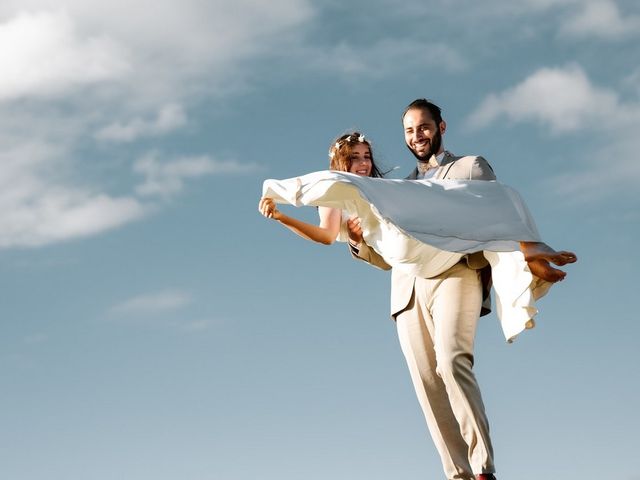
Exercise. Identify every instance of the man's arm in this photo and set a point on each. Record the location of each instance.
(360, 250)
(364, 252)
(481, 170)
(470, 167)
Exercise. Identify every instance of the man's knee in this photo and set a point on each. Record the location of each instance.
(454, 365)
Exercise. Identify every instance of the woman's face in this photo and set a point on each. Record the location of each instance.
(360, 160)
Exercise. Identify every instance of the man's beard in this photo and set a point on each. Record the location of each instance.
(434, 148)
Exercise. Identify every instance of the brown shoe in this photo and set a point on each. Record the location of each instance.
(486, 476)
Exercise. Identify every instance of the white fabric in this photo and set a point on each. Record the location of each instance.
(425, 226)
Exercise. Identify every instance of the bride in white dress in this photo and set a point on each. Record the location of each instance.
(484, 216)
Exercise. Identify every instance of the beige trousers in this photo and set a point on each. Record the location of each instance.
(437, 332)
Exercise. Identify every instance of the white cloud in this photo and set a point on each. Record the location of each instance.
(41, 201)
(166, 178)
(175, 49)
(169, 118)
(56, 215)
(197, 326)
(78, 71)
(563, 99)
(39, 206)
(154, 303)
(546, 4)
(41, 54)
(570, 19)
(167, 308)
(600, 18)
(612, 170)
(632, 81)
(381, 58)
(582, 19)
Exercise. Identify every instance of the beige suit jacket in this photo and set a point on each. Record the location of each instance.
(454, 168)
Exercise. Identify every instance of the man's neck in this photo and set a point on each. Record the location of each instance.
(430, 162)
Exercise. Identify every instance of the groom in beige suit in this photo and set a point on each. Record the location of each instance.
(436, 317)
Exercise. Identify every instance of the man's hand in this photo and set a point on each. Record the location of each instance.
(355, 230)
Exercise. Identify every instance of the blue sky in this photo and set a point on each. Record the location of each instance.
(154, 326)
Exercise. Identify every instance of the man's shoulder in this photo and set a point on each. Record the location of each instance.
(450, 157)
(473, 167)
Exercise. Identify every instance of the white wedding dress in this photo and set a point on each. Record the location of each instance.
(418, 225)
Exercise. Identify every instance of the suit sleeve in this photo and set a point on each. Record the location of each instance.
(481, 170)
(365, 253)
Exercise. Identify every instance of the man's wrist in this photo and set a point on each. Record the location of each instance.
(355, 246)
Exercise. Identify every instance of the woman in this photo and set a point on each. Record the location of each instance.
(349, 153)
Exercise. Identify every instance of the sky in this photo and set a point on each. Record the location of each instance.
(154, 326)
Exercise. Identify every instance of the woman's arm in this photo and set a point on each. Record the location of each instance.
(325, 233)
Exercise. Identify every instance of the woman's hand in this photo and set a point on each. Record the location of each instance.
(267, 207)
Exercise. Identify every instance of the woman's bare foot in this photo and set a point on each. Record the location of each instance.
(542, 269)
(541, 251)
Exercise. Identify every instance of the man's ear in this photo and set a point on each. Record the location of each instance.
(443, 127)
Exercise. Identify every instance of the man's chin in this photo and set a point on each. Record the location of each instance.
(421, 156)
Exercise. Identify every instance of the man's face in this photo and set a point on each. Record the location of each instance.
(422, 135)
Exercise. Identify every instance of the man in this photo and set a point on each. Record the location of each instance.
(437, 316)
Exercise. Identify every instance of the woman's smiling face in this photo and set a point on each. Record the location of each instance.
(360, 160)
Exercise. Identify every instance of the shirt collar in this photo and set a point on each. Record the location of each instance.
(436, 160)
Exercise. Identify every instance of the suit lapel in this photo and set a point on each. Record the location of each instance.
(447, 162)
(443, 170)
